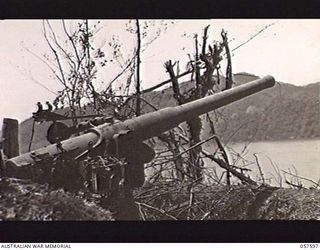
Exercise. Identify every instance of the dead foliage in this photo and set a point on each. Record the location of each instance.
(190, 201)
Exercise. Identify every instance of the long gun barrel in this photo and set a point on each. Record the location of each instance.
(140, 128)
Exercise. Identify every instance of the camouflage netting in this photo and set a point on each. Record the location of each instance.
(24, 200)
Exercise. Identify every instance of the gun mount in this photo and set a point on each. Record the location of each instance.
(125, 139)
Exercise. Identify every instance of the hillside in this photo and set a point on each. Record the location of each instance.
(283, 112)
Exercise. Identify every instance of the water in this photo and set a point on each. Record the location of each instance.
(298, 157)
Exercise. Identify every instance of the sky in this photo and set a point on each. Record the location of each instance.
(289, 50)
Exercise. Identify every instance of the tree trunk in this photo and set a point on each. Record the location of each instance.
(138, 103)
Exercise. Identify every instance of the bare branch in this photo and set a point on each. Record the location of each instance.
(259, 167)
(302, 178)
(156, 209)
(124, 69)
(165, 82)
(222, 164)
(46, 63)
(255, 35)
(72, 41)
(59, 46)
(57, 58)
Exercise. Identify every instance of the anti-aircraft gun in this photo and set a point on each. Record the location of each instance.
(124, 139)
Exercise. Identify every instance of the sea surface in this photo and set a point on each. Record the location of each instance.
(280, 161)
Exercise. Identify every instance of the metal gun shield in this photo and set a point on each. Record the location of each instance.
(57, 131)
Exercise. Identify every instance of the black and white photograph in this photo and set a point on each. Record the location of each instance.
(159, 119)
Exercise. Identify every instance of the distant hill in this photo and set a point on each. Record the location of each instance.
(283, 112)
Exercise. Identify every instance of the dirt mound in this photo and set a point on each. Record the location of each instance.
(24, 200)
(218, 202)
(292, 204)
